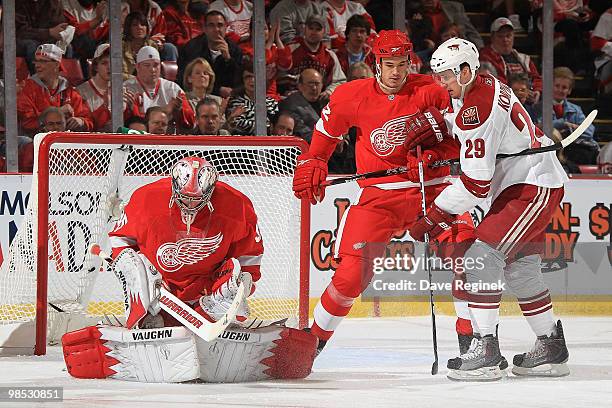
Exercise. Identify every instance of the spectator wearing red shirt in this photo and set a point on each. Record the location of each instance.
(180, 25)
(47, 88)
(277, 56)
(507, 61)
(356, 49)
(338, 13)
(310, 52)
(89, 21)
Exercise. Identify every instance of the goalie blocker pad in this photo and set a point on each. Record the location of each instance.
(173, 354)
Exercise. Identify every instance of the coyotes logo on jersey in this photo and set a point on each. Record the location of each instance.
(470, 116)
(392, 133)
(171, 256)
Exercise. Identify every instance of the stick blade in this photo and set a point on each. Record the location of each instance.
(434, 368)
(580, 129)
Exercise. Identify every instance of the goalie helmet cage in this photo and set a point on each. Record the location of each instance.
(80, 183)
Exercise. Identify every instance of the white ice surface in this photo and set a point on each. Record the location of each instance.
(369, 363)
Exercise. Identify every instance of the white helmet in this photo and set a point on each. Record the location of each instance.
(453, 53)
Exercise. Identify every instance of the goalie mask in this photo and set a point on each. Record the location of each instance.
(390, 43)
(451, 55)
(193, 183)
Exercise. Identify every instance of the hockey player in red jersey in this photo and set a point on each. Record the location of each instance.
(393, 113)
(488, 119)
(198, 237)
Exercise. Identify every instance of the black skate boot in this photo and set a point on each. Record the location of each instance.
(482, 361)
(547, 358)
(466, 339)
(320, 345)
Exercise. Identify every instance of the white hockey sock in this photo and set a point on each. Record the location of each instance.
(484, 321)
(539, 314)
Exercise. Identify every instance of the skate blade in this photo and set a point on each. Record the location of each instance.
(544, 370)
(483, 374)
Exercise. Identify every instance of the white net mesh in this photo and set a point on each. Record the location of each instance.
(89, 182)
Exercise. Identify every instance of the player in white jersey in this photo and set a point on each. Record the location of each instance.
(488, 119)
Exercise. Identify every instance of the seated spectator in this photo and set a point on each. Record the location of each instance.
(283, 124)
(52, 119)
(223, 55)
(359, 70)
(355, 49)
(96, 91)
(520, 86)
(37, 22)
(451, 31)
(601, 44)
(240, 111)
(136, 123)
(199, 81)
(309, 52)
(237, 16)
(156, 21)
(506, 60)
(291, 15)
(47, 88)
(135, 36)
(444, 13)
(156, 121)
(604, 159)
(306, 104)
(209, 118)
(180, 25)
(25, 154)
(568, 116)
(149, 89)
(338, 13)
(277, 56)
(89, 21)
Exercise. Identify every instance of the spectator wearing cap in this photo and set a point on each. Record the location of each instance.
(47, 88)
(338, 13)
(238, 15)
(149, 89)
(309, 52)
(355, 49)
(222, 54)
(180, 24)
(507, 61)
(96, 91)
(291, 16)
(37, 22)
(277, 57)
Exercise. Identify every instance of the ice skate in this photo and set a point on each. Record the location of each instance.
(548, 357)
(482, 362)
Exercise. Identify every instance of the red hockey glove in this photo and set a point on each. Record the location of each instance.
(435, 222)
(429, 157)
(310, 173)
(426, 129)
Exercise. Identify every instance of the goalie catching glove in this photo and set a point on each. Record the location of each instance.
(310, 174)
(425, 129)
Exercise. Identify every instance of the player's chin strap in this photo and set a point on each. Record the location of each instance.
(384, 87)
(463, 87)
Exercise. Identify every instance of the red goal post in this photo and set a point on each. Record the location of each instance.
(80, 183)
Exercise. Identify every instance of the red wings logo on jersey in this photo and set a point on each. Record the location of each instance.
(470, 116)
(171, 256)
(385, 138)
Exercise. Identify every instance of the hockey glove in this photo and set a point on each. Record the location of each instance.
(435, 222)
(429, 157)
(310, 174)
(426, 129)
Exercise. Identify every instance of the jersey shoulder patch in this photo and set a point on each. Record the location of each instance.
(477, 104)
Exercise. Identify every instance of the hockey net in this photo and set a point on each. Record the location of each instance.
(49, 281)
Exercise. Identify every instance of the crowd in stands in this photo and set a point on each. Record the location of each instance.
(188, 64)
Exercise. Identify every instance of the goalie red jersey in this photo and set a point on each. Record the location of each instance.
(381, 122)
(188, 261)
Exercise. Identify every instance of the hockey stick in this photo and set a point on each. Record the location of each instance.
(434, 335)
(182, 312)
(440, 163)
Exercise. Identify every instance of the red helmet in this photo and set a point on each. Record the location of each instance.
(391, 43)
(193, 182)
